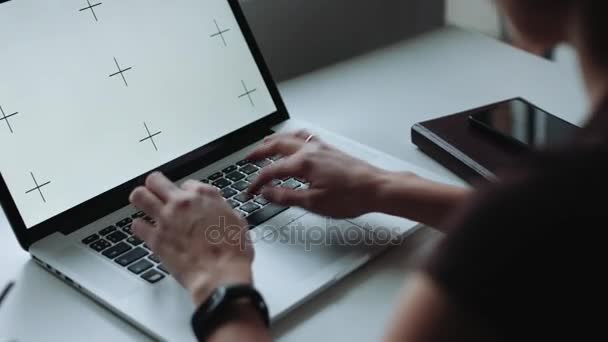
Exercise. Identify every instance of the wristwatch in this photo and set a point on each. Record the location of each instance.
(215, 311)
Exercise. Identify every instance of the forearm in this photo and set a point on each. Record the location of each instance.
(418, 199)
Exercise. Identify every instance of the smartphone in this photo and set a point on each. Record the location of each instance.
(519, 122)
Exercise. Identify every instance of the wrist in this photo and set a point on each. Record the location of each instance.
(232, 313)
(202, 287)
(388, 190)
(408, 195)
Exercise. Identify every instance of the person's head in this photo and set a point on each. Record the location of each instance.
(546, 23)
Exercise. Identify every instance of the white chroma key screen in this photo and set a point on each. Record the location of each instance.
(94, 93)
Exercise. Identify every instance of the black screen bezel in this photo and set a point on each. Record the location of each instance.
(117, 198)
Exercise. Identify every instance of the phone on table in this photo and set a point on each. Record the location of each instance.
(519, 122)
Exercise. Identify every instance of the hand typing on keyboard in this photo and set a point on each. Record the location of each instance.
(200, 239)
(340, 185)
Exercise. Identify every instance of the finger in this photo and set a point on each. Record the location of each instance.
(271, 137)
(303, 134)
(289, 197)
(191, 185)
(143, 199)
(198, 187)
(284, 146)
(300, 134)
(161, 186)
(146, 232)
(290, 167)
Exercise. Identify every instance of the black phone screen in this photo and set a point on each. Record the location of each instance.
(524, 123)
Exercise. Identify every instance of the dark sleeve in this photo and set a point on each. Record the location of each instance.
(508, 256)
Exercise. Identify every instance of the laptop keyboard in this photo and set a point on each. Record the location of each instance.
(117, 242)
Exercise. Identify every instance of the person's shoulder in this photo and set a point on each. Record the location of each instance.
(509, 246)
(543, 198)
(578, 163)
(559, 181)
(584, 156)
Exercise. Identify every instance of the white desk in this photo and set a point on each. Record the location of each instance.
(437, 74)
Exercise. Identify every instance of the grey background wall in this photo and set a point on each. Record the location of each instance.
(297, 36)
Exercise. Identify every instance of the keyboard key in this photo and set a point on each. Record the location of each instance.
(243, 197)
(228, 192)
(153, 276)
(221, 183)
(240, 186)
(275, 158)
(90, 239)
(131, 256)
(276, 182)
(135, 241)
(263, 163)
(249, 207)
(291, 184)
(124, 222)
(205, 180)
(261, 201)
(116, 250)
(249, 169)
(243, 162)
(265, 214)
(251, 177)
(154, 258)
(107, 230)
(215, 176)
(138, 214)
(146, 247)
(116, 236)
(127, 230)
(100, 245)
(303, 181)
(230, 168)
(162, 268)
(140, 266)
(233, 203)
(242, 213)
(235, 176)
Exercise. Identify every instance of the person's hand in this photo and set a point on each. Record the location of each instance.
(340, 186)
(198, 237)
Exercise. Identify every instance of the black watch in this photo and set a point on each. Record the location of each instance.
(215, 310)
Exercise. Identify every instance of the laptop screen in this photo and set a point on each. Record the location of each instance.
(94, 93)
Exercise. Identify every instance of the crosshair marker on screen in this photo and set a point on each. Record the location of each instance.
(38, 187)
(150, 136)
(92, 8)
(6, 118)
(220, 32)
(121, 72)
(248, 93)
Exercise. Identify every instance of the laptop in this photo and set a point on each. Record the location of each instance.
(95, 95)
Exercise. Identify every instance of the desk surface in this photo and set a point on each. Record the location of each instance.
(437, 74)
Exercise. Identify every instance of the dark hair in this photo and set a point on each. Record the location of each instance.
(595, 28)
(537, 16)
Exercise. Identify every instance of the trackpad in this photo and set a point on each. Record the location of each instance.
(304, 247)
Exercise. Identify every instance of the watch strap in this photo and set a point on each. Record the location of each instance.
(215, 310)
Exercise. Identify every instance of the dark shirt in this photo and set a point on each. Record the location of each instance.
(526, 256)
